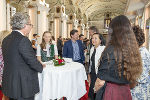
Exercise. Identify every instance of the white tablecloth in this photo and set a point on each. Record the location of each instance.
(63, 81)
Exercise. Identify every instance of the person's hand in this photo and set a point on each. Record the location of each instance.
(89, 79)
(56, 57)
(44, 65)
(98, 84)
(85, 50)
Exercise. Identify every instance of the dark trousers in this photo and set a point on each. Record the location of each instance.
(60, 53)
(31, 98)
(91, 94)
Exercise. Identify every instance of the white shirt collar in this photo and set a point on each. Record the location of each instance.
(19, 32)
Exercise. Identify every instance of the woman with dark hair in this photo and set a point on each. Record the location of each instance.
(120, 64)
(142, 90)
(95, 54)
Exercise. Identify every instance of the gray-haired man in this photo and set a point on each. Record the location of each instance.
(20, 76)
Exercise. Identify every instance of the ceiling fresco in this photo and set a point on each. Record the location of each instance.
(93, 10)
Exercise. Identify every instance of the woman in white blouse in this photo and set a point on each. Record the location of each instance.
(95, 54)
(46, 51)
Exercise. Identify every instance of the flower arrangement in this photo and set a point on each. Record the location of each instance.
(59, 62)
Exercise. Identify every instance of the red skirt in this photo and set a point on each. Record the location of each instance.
(117, 92)
(1, 94)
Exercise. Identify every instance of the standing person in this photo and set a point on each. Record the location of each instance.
(73, 48)
(95, 54)
(120, 64)
(92, 30)
(81, 37)
(142, 90)
(46, 51)
(59, 46)
(34, 41)
(21, 67)
(3, 34)
(53, 40)
(87, 54)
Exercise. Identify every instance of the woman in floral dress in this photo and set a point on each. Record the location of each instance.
(1, 65)
(142, 90)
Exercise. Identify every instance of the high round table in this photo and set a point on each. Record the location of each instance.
(63, 81)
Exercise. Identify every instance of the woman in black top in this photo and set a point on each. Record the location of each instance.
(120, 64)
(95, 54)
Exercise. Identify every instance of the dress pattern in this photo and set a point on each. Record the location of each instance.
(44, 57)
(1, 65)
(142, 90)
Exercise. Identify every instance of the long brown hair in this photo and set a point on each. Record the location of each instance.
(43, 44)
(126, 50)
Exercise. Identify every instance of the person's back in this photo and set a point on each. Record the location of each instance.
(120, 64)
(11, 51)
(59, 44)
(21, 67)
(34, 42)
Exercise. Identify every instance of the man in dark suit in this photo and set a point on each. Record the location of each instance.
(92, 30)
(59, 46)
(73, 48)
(81, 37)
(21, 67)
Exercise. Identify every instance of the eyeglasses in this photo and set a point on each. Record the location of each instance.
(30, 25)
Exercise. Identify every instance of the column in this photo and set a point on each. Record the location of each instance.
(69, 28)
(87, 30)
(140, 13)
(79, 29)
(51, 26)
(3, 15)
(64, 26)
(34, 21)
(56, 27)
(82, 28)
(8, 17)
(38, 12)
(42, 19)
(75, 22)
(146, 32)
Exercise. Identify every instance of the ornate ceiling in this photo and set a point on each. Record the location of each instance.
(93, 9)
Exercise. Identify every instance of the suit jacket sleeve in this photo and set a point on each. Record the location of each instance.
(65, 50)
(82, 51)
(28, 54)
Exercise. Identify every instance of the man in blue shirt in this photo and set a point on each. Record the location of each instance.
(73, 48)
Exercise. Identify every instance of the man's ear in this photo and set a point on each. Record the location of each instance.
(25, 26)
